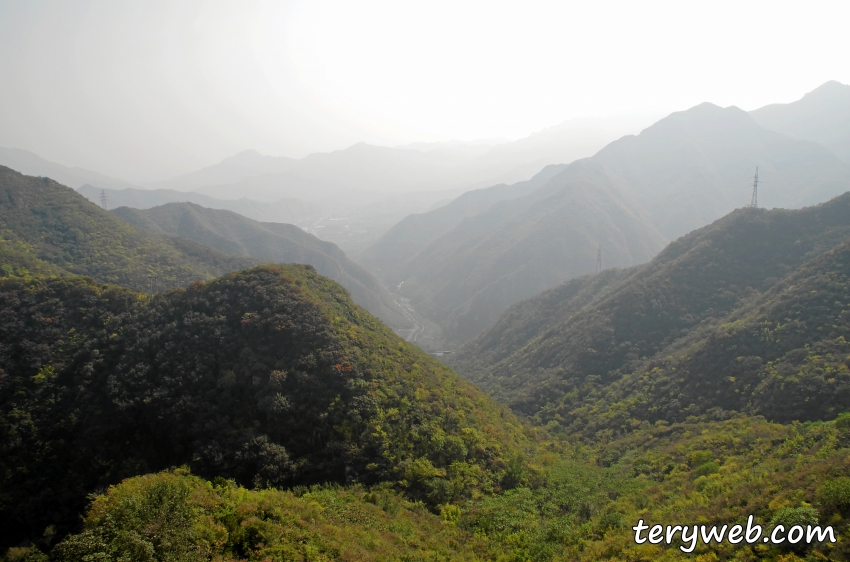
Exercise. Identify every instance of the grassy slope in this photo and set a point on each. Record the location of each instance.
(54, 224)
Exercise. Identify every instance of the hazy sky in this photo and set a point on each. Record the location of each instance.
(146, 90)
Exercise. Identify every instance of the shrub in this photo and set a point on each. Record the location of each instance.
(835, 494)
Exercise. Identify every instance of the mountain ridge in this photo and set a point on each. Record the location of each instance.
(585, 335)
(233, 234)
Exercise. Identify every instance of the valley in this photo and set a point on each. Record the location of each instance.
(412, 353)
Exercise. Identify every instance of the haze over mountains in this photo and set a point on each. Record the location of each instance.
(704, 379)
(468, 263)
(822, 116)
(461, 263)
(351, 196)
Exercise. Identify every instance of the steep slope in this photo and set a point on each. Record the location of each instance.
(519, 247)
(52, 223)
(416, 231)
(822, 115)
(547, 354)
(270, 376)
(693, 167)
(236, 235)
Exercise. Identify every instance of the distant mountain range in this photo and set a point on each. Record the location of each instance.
(236, 235)
(467, 262)
(365, 168)
(731, 317)
(350, 196)
(283, 210)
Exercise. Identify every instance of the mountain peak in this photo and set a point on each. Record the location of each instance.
(829, 90)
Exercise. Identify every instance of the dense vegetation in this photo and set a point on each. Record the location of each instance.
(707, 324)
(48, 228)
(270, 376)
(575, 502)
(236, 235)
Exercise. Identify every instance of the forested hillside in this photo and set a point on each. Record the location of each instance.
(270, 376)
(572, 503)
(46, 227)
(718, 307)
(236, 235)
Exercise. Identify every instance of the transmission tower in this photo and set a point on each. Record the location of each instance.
(754, 203)
(599, 259)
(103, 198)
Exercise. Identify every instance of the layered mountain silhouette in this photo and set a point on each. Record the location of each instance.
(283, 210)
(416, 231)
(707, 324)
(681, 173)
(235, 235)
(822, 115)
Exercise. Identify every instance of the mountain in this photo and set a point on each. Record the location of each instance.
(31, 164)
(710, 323)
(519, 247)
(681, 173)
(283, 210)
(416, 231)
(236, 235)
(270, 376)
(246, 164)
(695, 166)
(416, 167)
(359, 168)
(822, 115)
(49, 228)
